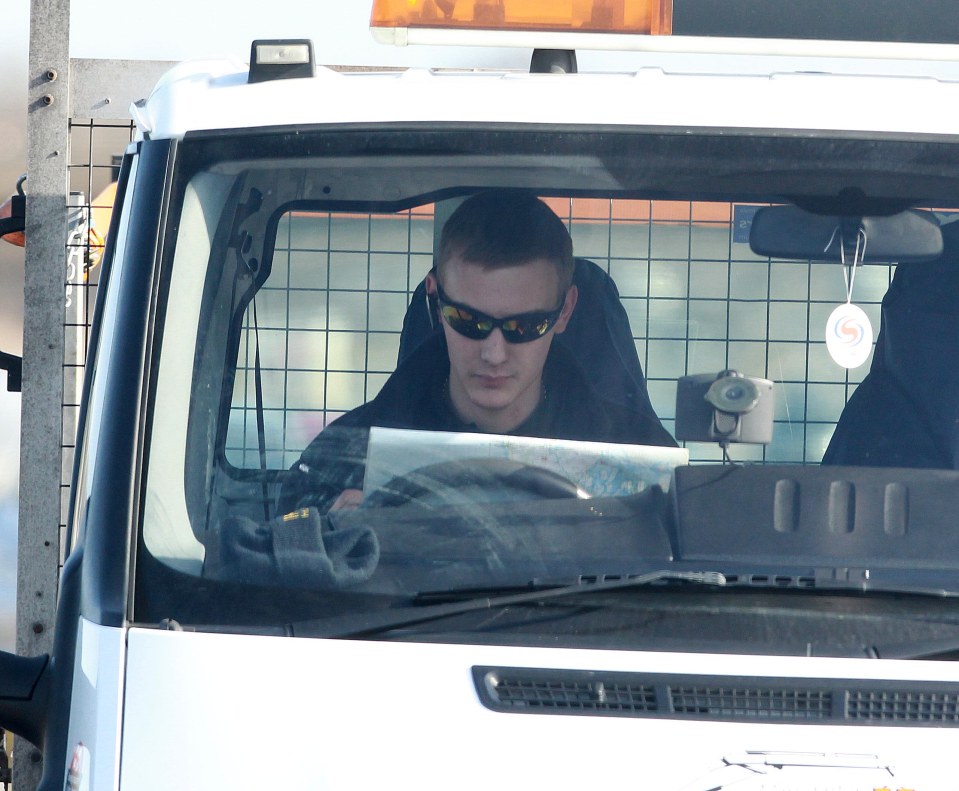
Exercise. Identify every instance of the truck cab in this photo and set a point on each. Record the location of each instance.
(767, 262)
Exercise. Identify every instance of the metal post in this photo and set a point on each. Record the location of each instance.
(48, 94)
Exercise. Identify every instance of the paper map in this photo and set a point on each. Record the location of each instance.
(602, 469)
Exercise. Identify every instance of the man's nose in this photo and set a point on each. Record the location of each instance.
(493, 350)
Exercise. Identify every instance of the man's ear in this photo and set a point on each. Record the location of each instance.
(571, 296)
(432, 309)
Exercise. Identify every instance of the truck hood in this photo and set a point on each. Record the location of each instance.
(206, 711)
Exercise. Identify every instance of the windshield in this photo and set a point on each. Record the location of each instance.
(395, 369)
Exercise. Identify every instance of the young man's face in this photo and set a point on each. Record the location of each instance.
(493, 383)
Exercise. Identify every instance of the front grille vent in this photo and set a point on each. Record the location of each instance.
(720, 698)
(904, 707)
(586, 696)
(752, 702)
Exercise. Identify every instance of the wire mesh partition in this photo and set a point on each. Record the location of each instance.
(700, 301)
(328, 319)
(327, 325)
(95, 150)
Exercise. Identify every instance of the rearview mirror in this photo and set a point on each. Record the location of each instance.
(791, 232)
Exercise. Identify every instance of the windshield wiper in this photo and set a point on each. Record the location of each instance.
(944, 648)
(540, 589)
(364, 624)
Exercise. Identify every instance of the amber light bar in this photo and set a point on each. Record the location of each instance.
(705, 27)
(653, 17)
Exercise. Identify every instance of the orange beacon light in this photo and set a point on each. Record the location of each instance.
(586, 16)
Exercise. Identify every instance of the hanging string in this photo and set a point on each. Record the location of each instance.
(859, 254)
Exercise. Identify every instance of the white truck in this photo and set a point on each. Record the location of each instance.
(772, 605)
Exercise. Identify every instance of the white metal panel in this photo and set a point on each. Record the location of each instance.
(214, 95)
(202, 711)
(95, 707)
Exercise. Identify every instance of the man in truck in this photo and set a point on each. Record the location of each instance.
(501, 289)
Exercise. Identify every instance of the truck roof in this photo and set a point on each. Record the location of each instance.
(774, 95)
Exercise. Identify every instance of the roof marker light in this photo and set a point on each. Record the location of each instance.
(281, 59)
(587, 16)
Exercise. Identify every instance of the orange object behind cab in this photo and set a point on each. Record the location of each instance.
(593, 16)
(17, 237)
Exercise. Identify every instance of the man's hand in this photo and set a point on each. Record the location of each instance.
(348, 500)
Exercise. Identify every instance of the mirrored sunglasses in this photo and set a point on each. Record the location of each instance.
(475, 325)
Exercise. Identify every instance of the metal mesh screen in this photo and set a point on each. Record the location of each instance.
(95, 149)
(699, 301)
(327, 325)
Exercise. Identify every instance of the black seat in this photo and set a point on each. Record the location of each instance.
(905, 413)
(598, 334)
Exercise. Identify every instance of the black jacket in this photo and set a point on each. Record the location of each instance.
(905, 413)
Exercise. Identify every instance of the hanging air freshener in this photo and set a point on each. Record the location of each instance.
(848, 329)
(849, 335)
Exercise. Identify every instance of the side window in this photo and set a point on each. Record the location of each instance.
(93, 416)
